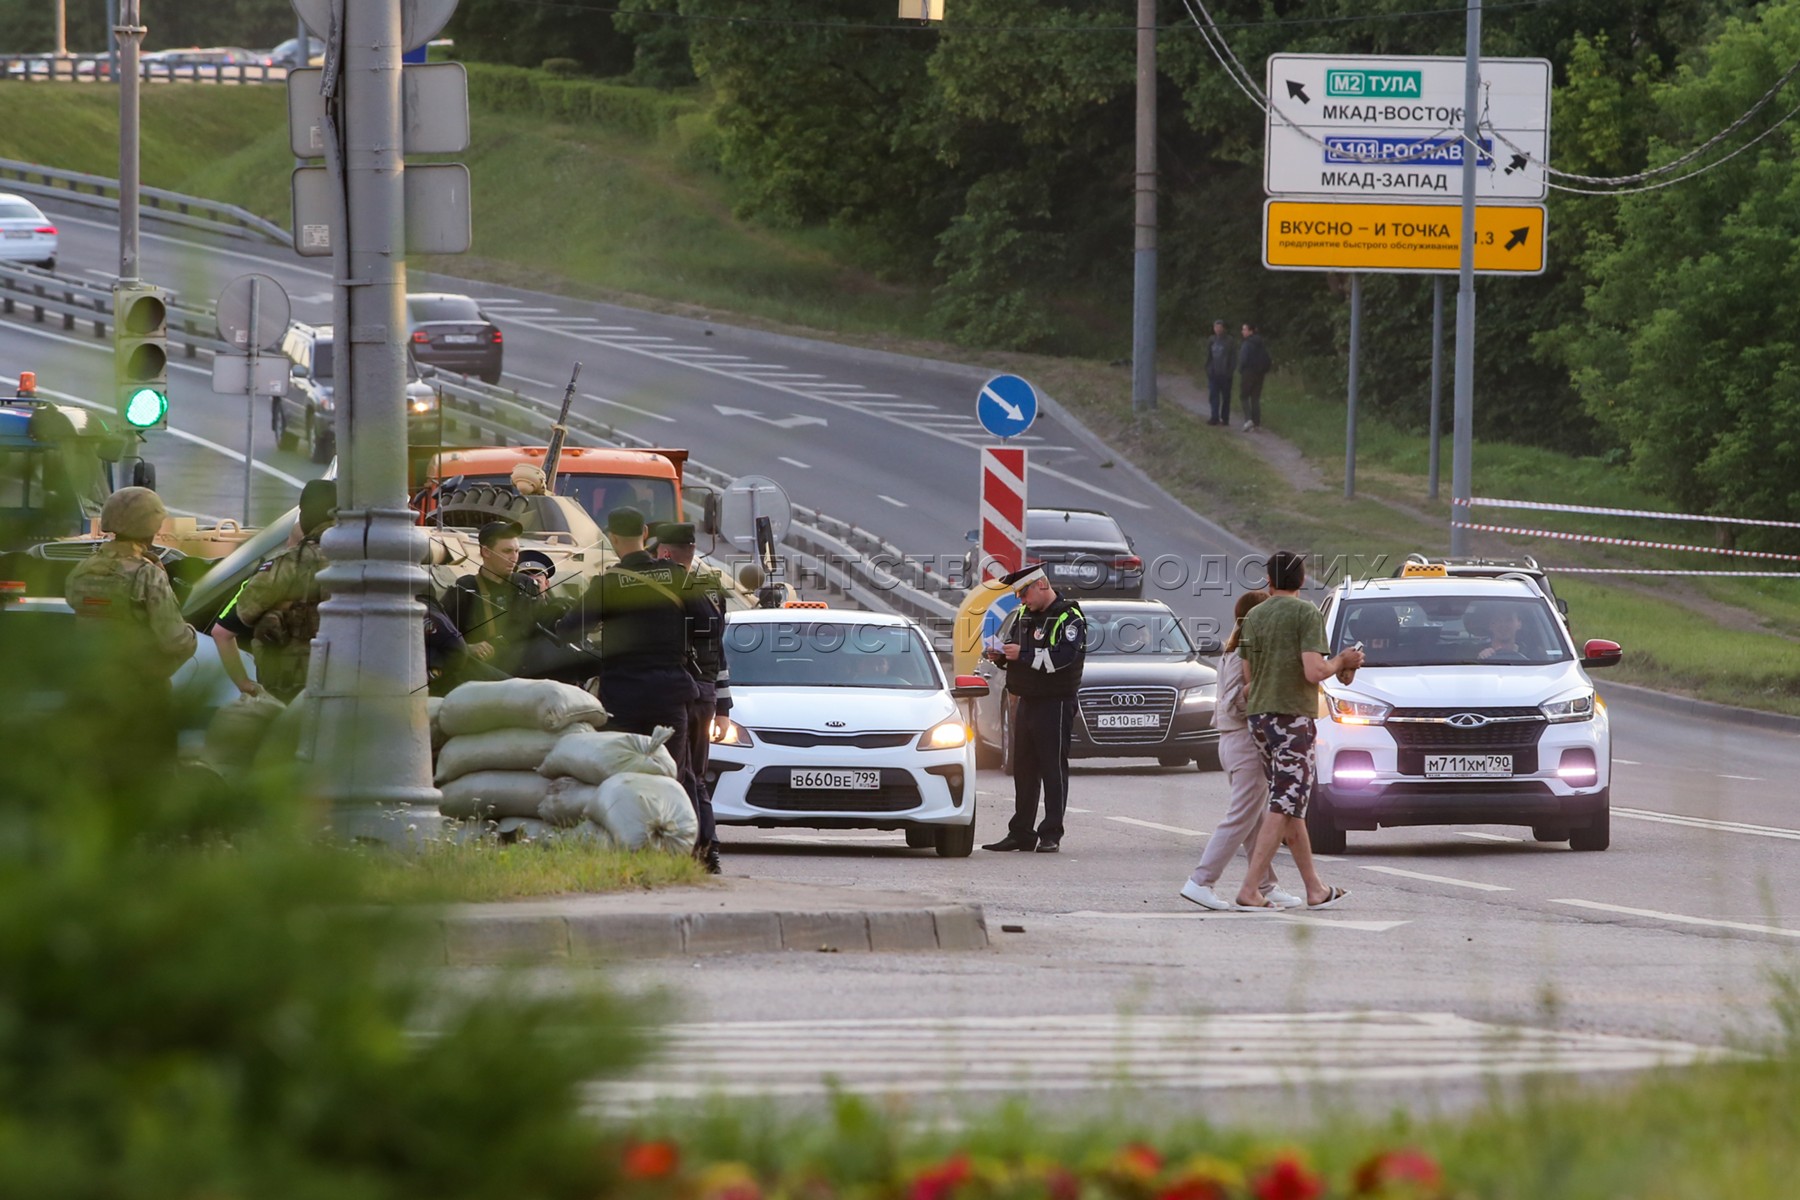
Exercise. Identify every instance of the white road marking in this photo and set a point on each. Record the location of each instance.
(1487, 837)
(1743, 778)
(1680, 918)
(642, 412)
(797, 375)
(1073, 809)
(880, 1056)
(1405, 874)
(623, 339)
(863, 402)
(1626, 762)
(712, 355)
(1193, 912)
(858, 398)
(762, 368)
(794, 462)
(535, 310)
(1768, 831)
(837, 387)
(892, 501)
(261, 260)
(1165, 828)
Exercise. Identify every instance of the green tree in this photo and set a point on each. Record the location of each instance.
(525, 35)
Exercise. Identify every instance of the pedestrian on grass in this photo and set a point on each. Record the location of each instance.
(1248, 783)
(1284, 650)
(1043, 655)
(1221, 365)
(1254, 365)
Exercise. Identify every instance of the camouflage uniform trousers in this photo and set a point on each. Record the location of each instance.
(1285, 743)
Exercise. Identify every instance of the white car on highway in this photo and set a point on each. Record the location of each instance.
(844, 720)
(1473, 707)
(26, 234)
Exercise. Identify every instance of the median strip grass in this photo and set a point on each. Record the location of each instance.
(478, 871)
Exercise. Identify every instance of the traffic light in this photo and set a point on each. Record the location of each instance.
(141, 354)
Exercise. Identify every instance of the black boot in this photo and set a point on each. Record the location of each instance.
(709, 858)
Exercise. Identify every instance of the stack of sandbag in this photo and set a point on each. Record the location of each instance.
(237, 729)
(625, 783)
(495, 736)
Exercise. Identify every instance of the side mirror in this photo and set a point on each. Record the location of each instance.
(297, 371)
(1598, 652)
(1208, 647)
(974, 535)
(709, 512)
(969, 687)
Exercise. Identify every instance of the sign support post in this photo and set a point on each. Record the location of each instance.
(1355, 370)
(1437, 377)
(1462, 452)
(1143, 306)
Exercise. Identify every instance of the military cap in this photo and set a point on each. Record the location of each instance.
(675, 533)
(625, 522)
(133, 513)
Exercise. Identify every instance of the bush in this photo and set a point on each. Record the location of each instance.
(560, 66)
(638, 112)
(196, 999)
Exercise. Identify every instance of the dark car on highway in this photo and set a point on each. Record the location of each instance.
(452, 333)
(1145, 693)
(307, 413)
(1084, 552)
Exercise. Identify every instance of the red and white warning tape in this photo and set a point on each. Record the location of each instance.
(1648, 571)
(1485, 502)
(1613, 541)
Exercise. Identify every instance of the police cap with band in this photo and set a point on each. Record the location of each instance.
(1024, 577)
(537, 560)
(675, 533)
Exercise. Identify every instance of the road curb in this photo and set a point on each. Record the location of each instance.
(487, 935)
(1688, 706)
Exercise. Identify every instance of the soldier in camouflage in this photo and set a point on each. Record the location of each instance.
(124, 591)
(278, 609)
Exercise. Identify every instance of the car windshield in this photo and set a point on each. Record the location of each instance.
(828, 654)
(1451, 630)
(1072, 527)
(1135, 633)
(443, 308)
(321, 367)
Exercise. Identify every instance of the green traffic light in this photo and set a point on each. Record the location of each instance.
(145, 407)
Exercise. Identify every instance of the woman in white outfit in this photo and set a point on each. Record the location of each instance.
(1249, 786)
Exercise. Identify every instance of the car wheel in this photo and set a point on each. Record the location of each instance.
(955, 841)
(285, 438)
(320, 439)
(49, 264)
(1208, 759)
(921, 837)
(1172, 760)
(1549, 833)
(1006, 740)
(1598, 833)
(491, 377)
(1321, 830)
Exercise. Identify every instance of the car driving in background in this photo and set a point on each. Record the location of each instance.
(452, 333)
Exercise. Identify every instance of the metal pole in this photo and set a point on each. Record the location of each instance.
(112, 38)
(250, 395)
(62, 29)
(1143, 291)
(130, 34)
(1437, 377)
(1355, 370)
(367, 674)
(1462, 451)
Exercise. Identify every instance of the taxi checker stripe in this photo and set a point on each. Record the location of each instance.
(1612, 541)
(1485, 502)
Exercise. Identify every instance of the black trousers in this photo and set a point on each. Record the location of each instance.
(701, 711)
(639, 702)
(1041, 729)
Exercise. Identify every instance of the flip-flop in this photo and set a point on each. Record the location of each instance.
(1337, 893)
(1265, 906)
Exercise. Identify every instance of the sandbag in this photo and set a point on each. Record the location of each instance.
(596, 757)
(433, 706)
(280, 744)
(481, 705)
(495, 750)
(568, 802)
(648, 811)
(488, 794)
(238, 728)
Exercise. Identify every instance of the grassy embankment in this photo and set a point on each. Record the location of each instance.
(624, 207)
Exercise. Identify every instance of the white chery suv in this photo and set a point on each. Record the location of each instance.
(1473, 707)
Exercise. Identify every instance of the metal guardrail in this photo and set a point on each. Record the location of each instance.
(98, 68)
(195, 212)
(847, 558)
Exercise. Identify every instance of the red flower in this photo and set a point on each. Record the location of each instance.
(1287, 1179)
(1408, 1167)
(650, 1160)
(1062, 1184)
(941, 1181)
(1193, 1187)
(1139, 1159)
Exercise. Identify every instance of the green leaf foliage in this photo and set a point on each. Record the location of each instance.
(196, 999)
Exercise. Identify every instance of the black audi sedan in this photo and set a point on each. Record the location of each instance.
(452, 332)
(1145, 693)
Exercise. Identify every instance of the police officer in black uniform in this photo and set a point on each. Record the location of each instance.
(1043, 655)
(704, 590)
(643, 620)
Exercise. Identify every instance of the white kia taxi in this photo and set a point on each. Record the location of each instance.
(1473, 707)
(844, 720)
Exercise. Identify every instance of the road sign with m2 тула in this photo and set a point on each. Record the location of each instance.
(1306, 235)
(1379, 127)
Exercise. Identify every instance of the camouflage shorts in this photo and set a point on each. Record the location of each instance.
(1286, 746)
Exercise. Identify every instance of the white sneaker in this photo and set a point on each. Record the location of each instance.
(1205, 897)
(1249, 425)
(1281, 899)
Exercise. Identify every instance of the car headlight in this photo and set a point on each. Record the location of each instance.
(325, 400)
(947, 735)
(1206, 693)
(726, 732)
(1575, 706)
(1352, 710)
(423, 404)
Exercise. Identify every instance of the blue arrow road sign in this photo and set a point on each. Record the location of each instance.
(1007, 406)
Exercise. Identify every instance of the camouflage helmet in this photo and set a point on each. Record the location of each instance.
(135, 513)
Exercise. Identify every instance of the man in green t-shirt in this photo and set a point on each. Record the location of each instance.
(1284, 650)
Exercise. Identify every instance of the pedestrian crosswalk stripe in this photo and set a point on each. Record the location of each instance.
(989, 1054)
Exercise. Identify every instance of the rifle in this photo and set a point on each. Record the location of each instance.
(559, 432)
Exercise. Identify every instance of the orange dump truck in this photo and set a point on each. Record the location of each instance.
(601, 479)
